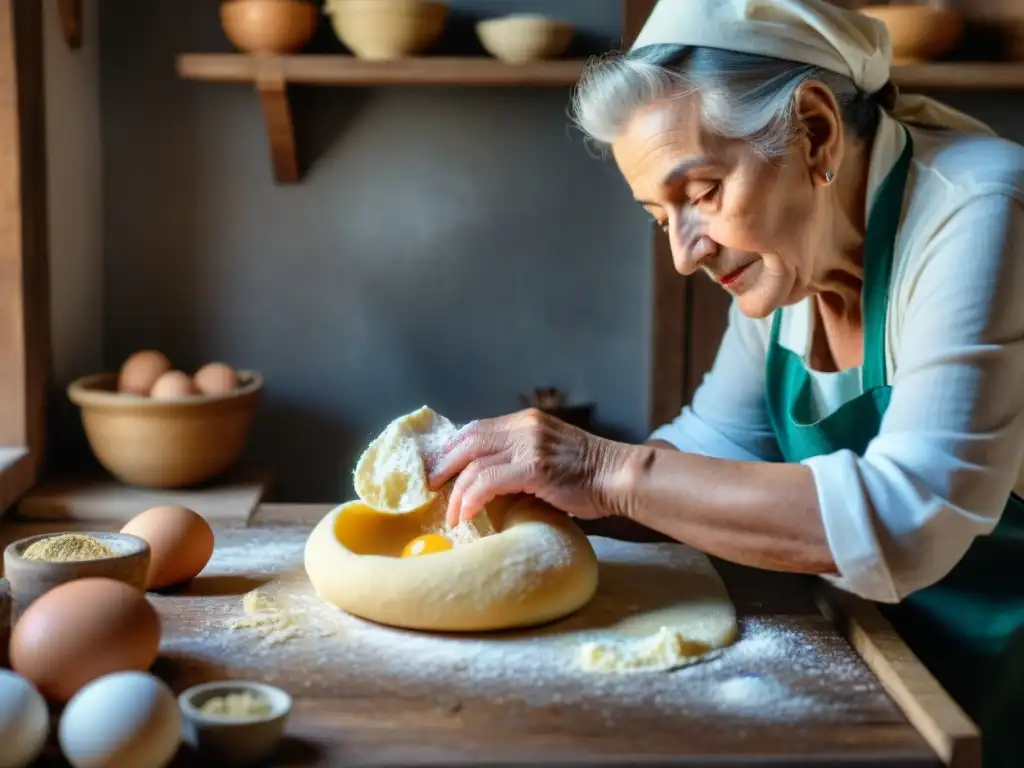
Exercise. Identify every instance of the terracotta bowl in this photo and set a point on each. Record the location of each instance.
(520, 38)
(383, 30)
(919, 32)
(269, 26)
(165, 443)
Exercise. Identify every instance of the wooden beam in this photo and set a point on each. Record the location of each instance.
(668, 291)
(24, 274)
(277, 114)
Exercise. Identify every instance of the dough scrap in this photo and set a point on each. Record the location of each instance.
(537, 567)
(391, 475)
(694, 617)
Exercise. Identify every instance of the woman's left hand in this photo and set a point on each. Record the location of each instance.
(529, 452)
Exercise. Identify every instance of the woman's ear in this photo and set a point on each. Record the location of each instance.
(820, 124)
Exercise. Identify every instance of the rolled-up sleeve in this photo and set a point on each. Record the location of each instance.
(951, 443)
(728, 418)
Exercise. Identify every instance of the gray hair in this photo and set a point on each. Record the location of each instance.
(742, 96)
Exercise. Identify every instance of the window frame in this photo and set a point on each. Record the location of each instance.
(24, 273)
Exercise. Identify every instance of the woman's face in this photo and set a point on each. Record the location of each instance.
(755, 227)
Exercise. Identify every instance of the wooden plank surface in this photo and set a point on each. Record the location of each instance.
(233, 499)
(437, 712)
(440, 717)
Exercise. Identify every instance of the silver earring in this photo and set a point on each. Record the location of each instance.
(829, 177)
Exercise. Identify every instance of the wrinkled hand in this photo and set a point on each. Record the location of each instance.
(528, 452)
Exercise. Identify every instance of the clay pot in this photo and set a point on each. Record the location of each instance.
(165, 443)
(269, 26)
(521, 38)
(919, 32)
(384, 30)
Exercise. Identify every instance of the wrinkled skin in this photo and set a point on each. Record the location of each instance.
(770, 232)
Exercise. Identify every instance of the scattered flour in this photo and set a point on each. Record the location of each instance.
(780, 669)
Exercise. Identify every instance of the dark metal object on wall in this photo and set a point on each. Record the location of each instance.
(552, 400)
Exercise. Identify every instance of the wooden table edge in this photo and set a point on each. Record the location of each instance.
(941, 722)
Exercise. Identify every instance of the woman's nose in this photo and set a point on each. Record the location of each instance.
(689, 252)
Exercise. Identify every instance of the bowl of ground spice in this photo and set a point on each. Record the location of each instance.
(237, 721)
(37, 564)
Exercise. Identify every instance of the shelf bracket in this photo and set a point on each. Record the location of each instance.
(71, 21)
(277, 114)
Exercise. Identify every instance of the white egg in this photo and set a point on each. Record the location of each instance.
(24, 721)
(122, 720)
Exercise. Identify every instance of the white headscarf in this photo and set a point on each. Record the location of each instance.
(807, 31)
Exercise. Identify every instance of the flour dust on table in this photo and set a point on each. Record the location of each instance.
(285, 632)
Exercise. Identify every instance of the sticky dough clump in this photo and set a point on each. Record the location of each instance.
(391, 475)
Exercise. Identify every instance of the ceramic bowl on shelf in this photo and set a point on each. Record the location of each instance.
(165, 443)
(385, 30)
(520, 38)
(269, 26)
(919, 32)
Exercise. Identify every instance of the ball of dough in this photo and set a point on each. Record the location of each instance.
(537, 567)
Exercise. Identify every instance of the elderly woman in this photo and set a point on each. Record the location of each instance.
(864, 418)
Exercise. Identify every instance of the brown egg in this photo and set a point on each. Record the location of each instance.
(180, 543)
(140, 371)
(216, 379)
(82, 630)
(172, 385)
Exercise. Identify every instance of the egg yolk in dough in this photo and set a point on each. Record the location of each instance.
(427, 544)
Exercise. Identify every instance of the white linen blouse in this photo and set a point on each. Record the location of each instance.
(951, 445)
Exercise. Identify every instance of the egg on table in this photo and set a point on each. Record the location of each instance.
(82, 630)
(180, 543)
(121, 720)
(140, 372)
(24, 721)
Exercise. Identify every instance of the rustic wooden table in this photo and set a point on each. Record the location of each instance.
(834, 709)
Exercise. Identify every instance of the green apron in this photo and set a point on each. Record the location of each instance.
(968, 629)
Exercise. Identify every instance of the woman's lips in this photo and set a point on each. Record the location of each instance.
(732, 277)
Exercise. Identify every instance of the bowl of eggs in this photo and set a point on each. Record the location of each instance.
(155, 426)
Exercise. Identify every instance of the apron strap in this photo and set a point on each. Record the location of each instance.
(879, 249)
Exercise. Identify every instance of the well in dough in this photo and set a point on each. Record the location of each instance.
(391, 474)
(537, 567)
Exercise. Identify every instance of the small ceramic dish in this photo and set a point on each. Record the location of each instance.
(31, 578)
(237, 740)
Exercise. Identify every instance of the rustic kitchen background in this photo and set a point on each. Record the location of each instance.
(448, 246)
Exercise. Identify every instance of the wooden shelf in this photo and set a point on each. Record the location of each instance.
(314, 69)
(271, 75)
(956, 75)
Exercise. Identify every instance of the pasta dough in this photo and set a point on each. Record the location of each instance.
(678, 621)
(537, 567)
(391, 475)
